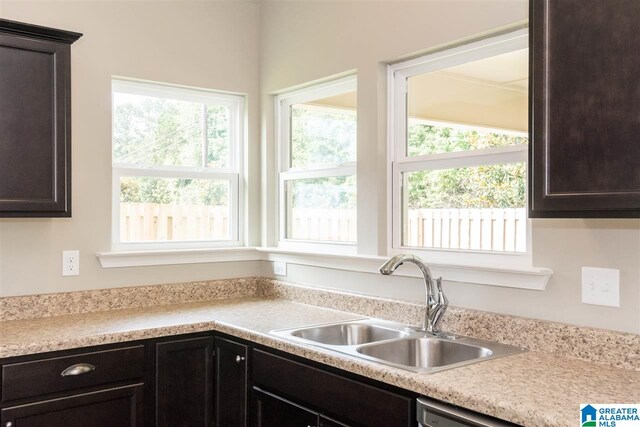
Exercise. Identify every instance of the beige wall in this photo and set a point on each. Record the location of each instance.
(308, 41)
(202, 44)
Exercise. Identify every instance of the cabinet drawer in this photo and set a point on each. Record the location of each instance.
(120, 406)
(332, 395)
(40, 377)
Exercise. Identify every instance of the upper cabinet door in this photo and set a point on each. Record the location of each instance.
(35, 121)
(585, 108)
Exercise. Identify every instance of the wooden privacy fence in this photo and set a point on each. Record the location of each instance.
(474, 229)
(338, 225)
(153, 221)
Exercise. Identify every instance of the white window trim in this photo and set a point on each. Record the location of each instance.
(286, 173)
(234, 175)
(530, 278)
(399, 162)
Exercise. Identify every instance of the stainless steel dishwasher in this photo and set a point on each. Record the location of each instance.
(433, 413)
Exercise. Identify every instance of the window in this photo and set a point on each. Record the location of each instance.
(317, 164)
(176, 167)
(458, 136)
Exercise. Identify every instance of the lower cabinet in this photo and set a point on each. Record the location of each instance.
(271, 410)
(121, 406)
(232, 370)
(184, 382)
(193, 380)
(331, 395)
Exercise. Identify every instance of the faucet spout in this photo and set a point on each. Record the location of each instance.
(435, 299)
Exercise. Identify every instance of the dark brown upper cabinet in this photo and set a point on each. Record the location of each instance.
(35, 120)
(584, 158)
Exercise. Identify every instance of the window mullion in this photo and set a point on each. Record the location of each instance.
(319, 173)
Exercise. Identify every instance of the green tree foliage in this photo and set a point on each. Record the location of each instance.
(174, 191)
(321, 136)
(164, 132)
(338, 192)
(491, 186)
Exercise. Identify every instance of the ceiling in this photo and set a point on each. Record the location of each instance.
(510, 70)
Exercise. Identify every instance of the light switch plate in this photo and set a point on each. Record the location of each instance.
(280, 268)
(601, 286)
(70, 263)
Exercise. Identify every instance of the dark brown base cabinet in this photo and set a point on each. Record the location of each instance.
(232, 374)
(195, 380)
(105, 408)
(272, 411)
(285, 388)
(184, 382)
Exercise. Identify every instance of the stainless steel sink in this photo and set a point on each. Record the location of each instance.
(425, 352)
(348, 334)
(398, 345)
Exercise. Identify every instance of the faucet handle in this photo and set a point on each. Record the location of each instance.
(442, 298)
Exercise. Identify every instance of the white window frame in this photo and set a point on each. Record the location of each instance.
(286, 172)
(233, 172)
(400, 162)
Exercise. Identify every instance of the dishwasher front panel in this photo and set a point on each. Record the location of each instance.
(433, 413)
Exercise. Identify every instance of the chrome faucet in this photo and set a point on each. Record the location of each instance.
(437, 302)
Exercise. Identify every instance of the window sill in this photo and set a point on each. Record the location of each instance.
(174, 256)
(531, 278)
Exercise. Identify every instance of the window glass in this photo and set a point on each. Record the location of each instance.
(477, 208)
(323, 132)
(322, 209)
(163, 209)
(168, 132)
(489, 93)
(432, 138)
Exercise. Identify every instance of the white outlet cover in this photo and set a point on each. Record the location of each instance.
(70, 263)
(601, 286)
(280, 268)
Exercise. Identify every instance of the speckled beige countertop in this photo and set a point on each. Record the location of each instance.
(532, 389)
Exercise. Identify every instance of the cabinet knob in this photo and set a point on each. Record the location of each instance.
(8, 424)
(239, 359)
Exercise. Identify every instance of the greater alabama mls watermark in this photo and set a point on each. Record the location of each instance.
(609, 415)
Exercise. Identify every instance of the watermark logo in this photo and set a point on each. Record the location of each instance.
(609, 415)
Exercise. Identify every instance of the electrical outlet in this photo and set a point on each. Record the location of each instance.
(70, 263)
(601, 286)
(280, 268)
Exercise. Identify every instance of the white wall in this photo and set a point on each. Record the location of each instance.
(308, 41)
(202, 44)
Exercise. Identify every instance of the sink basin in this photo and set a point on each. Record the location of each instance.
(348, 334)
(396, 345)
(425, 352)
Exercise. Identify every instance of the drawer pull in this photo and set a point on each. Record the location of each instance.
(78, 369)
